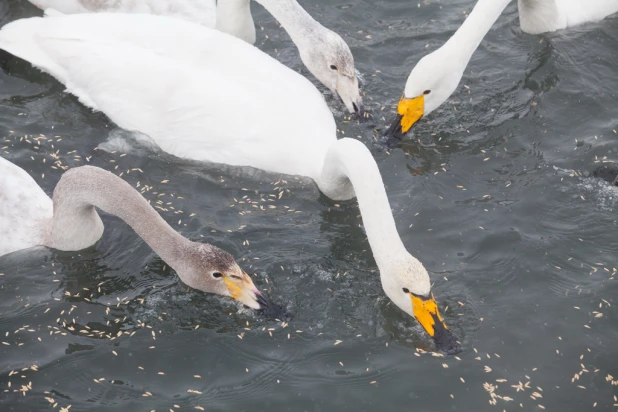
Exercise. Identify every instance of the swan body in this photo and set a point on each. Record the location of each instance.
(205, 12)
(541, 16)
(201, 102)
(324, 53)
(29, 218)
(437, 75)
(24, 210)
(194, 99)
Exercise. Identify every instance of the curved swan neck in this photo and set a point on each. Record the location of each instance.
(472, 31)
(349, 168)
(76, 224)
(294, 19)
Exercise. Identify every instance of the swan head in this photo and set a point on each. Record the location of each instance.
(431, 82)
(212, 270)
(329, 59)
(406, 283)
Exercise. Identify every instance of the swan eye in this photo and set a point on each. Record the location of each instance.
(217, 275)
(332, 66)
(427, 92)
(406, 290)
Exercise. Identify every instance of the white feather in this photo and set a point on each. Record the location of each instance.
(197, 11)
(25, 210)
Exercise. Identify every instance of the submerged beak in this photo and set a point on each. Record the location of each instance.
(245, 291)
(359, 108)
(426, 312)
(409, 111)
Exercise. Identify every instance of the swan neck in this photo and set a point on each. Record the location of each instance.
(292, 17)
(76, 224)
(234, 18)
(350, 169)
(470, 34)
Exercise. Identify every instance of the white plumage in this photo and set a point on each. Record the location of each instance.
(197, 93)
(24, 209)
(540, 16)
(320, 48)
(198, 11)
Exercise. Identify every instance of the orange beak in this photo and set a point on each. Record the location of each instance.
(426, 312)
(410, 110)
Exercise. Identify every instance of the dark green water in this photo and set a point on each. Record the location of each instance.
(486, 193)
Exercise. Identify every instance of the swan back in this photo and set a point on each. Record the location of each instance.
(25, 210)
(198, 11)
(540, 16)
(198, 93)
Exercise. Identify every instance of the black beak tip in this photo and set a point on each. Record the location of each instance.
(359, 110)
(445, 340)
(270, 310)
(395, 131)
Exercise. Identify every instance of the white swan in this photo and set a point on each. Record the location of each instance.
(198, 101)
(541, 16)
(324, 52)
(436, 75)
(29, 218)
(198, 11)
(229, 16)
